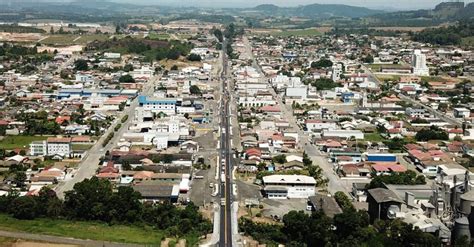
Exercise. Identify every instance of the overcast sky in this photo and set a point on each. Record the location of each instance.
(391, 4)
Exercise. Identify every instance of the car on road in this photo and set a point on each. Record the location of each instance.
(211, 185)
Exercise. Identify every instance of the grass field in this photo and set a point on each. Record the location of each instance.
(184, 36)
(84, 230)
(296, 32)
(12, 142)
(433, 78)
(373, 137)
(159, 36)
(377, 67)
(383, 77)
(73, 39)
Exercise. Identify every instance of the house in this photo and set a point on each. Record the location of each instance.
(325, 203)
(288, 186)
(190, 146)
(156, 191)
(317, 125)
(461, 112)
(383, 204)
(346, 134)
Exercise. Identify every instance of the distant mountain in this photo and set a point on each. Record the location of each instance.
(316, 10)
(443, 12)
(467, 12)
(267, 8)
(335, 10)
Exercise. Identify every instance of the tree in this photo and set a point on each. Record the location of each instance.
(280, 159)
(88, 200)
(49, 204)
(127, 79)
(174, 67)
(173, 54)
(351, 225)
(81, 65)
(406, 178)
(343, 201)
(322, 63)
(194, 57)
(125, 205)
(433, 133)
(128, 67)
(218, 34)
(307, 160)
(195, 90)
(20, 179)
(24, 207)
(324, 84)
(368, 59)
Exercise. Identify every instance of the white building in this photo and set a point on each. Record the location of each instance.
(461, 112)
(419, 64)
(165, 105)
(357, 134)
(289, 186)
(59, 146)
(300, 92)
(161, 141)
(111, 55)
(84, 78)
(143, 72)
(316, 124)
(38, 148)
(336, 72)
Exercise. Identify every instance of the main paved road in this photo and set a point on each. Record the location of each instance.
(225, 155)
(89, 164)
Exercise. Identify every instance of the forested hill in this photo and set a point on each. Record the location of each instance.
(316, 10)
(451, 35)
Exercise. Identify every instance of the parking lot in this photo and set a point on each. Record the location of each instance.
(281, 207)
(200, 192)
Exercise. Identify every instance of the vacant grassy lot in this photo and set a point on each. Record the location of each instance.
(73, 39)
(297, 32)
(12, 142)
(433, 78)
(84, 230)
(378, 67)
(84, 39)
(373, 137)
(60, 39)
